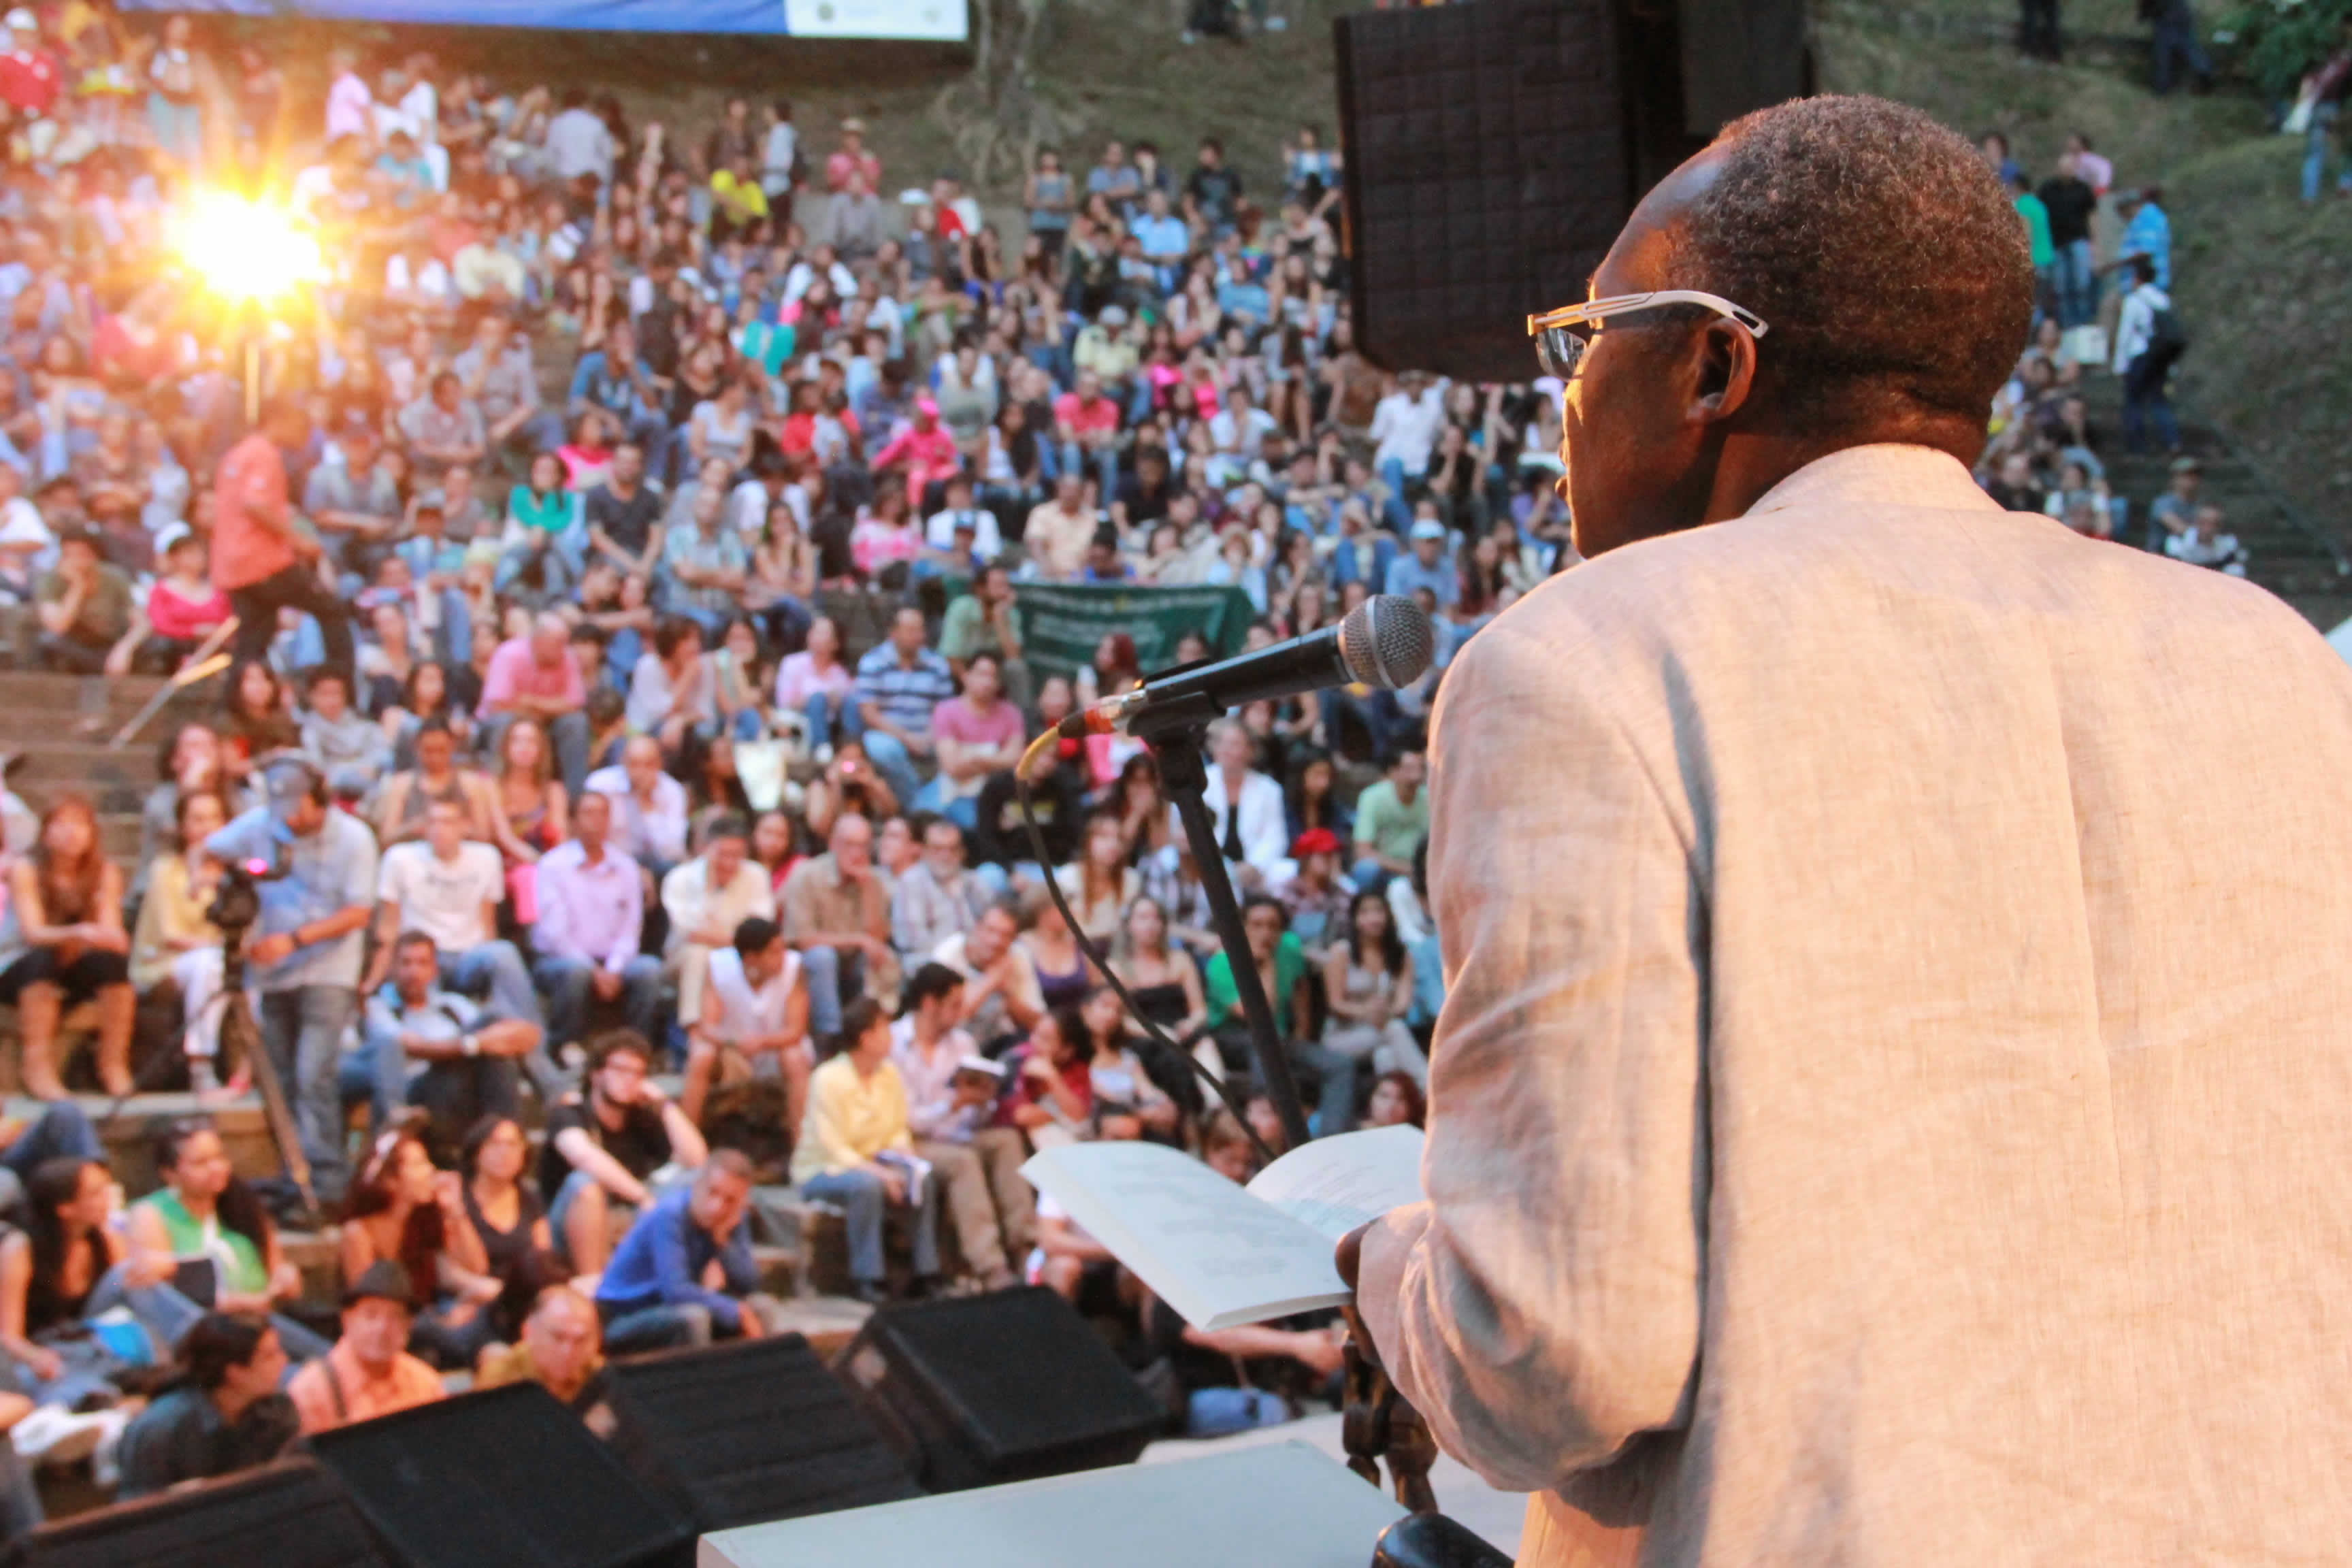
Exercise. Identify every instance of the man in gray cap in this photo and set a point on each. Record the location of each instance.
(369, 1372)
(317, 889)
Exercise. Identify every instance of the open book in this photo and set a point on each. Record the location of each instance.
(1220, 1254)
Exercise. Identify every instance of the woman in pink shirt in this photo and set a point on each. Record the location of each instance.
(886, 535)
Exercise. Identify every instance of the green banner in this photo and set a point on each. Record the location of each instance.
(1061, 625)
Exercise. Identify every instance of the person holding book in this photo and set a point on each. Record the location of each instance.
(951, 1094)
(857, 1149)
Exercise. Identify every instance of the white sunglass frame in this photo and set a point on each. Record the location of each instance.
(1553, 341)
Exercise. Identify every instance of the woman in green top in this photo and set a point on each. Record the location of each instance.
(542, 503)
(203, 1210)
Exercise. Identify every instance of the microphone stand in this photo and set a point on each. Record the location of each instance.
(1176, 733)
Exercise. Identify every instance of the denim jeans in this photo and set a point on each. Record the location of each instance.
(2074, 284)
(824, 713)
(1395, 514)
(494, 972)
(834, 978)
(859, 1194)
(1106, 467)
(303, 1030)
(666, 1326)
(2324, 117)
(570, 1004)
(2144, 401)
(454, 1093)
(62, 1133)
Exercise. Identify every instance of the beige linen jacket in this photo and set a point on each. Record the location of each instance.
(1891, 1103)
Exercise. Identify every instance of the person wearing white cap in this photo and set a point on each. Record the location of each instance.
(182, 606)
(30, 77)
(1426, 567)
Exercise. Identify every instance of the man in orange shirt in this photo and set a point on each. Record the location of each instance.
(368, 1373)
(260, 559)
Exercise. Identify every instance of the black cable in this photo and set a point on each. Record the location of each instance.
(1101, 961)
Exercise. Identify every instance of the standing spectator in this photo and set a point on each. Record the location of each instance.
(2073, 208)
(2148, 231)
(951, 1102)
(1426, 567)
(259, 558)
(370, 1371)
(1213, 192)
(754, 1008)
(706, 899)
(1087, 422)
(900, 684)
(2036, 218)
(656, 1293)
(607, 1142)
(579, 142)
(590, 922)
(61, 943)
(224, 1415)
(2147, 344)
(854, 1150)
(851, 158)
(304, 959)
(2037, 30)
(2174, 44)
(937, 898)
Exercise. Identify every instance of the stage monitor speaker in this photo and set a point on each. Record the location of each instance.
(749, 1432)
(286, 1515)
(1006, 1386)
(1494, 150)
(503, 1479)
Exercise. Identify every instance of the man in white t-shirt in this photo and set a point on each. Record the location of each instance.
(28, 547)
(753, 1007)
(450, 890)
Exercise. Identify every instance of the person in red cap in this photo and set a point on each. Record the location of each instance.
(1316, 896)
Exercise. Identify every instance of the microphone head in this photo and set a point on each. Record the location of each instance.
(1387, 642)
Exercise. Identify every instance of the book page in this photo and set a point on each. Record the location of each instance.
(1205, 1245)
(1334, 1185)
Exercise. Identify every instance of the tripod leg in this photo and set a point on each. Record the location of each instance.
(237, 1025)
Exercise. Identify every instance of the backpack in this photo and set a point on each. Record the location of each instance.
(2166, 339)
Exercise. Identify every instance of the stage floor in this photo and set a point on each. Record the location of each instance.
(1495, 1515)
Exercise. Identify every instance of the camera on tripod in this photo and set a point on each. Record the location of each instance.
(236, 902)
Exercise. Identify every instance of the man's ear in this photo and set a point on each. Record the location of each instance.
(1726, 371)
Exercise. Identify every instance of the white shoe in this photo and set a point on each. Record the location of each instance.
(55, 1437)
(825, 755)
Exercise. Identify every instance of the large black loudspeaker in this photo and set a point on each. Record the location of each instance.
(1494, 150)
(744, 1432)
(1007, 1386)
(503, 1479)
(286, 1515)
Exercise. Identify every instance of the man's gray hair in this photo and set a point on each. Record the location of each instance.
(1879, 247)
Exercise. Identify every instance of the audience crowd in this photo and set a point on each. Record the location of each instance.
(630, 677)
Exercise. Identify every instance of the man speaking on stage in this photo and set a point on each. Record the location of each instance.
(1890, 1101)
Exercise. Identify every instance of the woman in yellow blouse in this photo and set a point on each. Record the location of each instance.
(855, 1150)
(175, 941)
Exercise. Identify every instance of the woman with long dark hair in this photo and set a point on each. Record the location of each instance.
(403, 1209)
(506, 1213)
(1099, 883)
(67, 1269)
(1312, 797)
(1368, 981)
(256, 723)
(204, 1210)
(62, 943)
(1129, 1101)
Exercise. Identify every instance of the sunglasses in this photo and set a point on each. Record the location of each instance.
(1561, 336)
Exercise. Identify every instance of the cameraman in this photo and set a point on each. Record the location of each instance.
(304, 955)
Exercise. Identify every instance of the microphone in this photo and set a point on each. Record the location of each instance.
(1385, 642)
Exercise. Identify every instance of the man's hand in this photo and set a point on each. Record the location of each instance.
(1319, 1351)
(604, 984)
(649, 1093)
(1350, 1256)
(274, 950)
(894, 1184)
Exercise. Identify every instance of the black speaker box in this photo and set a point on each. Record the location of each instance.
(290, 1514)
(503, 1479)
(1494, 150)
(1006, 1386)
(748, 1432)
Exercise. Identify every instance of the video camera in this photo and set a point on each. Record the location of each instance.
(236, 902)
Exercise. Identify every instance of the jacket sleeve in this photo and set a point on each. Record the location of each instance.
(1542, 1306)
